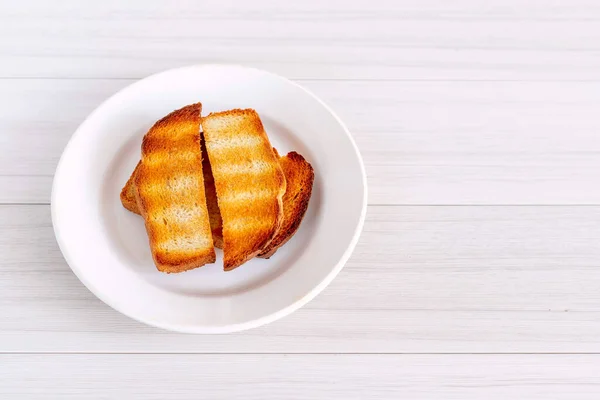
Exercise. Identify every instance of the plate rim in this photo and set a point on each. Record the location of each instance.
(312, 293)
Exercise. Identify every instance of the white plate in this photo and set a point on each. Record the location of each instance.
(107, 247)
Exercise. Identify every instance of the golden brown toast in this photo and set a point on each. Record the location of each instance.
(249, 181)
(128, 192)
(299, 177)
(214, 215)
(170, 192)
(129, 202)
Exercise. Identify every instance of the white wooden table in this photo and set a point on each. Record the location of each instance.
(478, 271)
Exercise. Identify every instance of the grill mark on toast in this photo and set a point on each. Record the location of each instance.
(247, 195)
(164, 133)
(166, 156)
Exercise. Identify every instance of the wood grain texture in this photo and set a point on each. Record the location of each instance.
(422, 279)
(306, 376)
(422, 142)
(451, 103)
(377, 39)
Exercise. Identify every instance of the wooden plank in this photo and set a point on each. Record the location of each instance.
(382, 39)
(462, 102)
(185, 376)
(422, 279)
(422, 142)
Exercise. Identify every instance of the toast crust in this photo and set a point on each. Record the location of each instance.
(170, 195)
(299, 176)
(128, 192)
(249, 181)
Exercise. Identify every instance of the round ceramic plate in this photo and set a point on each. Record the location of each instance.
(107, 246)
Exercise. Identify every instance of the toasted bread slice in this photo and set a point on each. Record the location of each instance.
(214, 215)
(170, 192)
(216, 224)
(128, 192)
(299, 178)
(249, 181)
